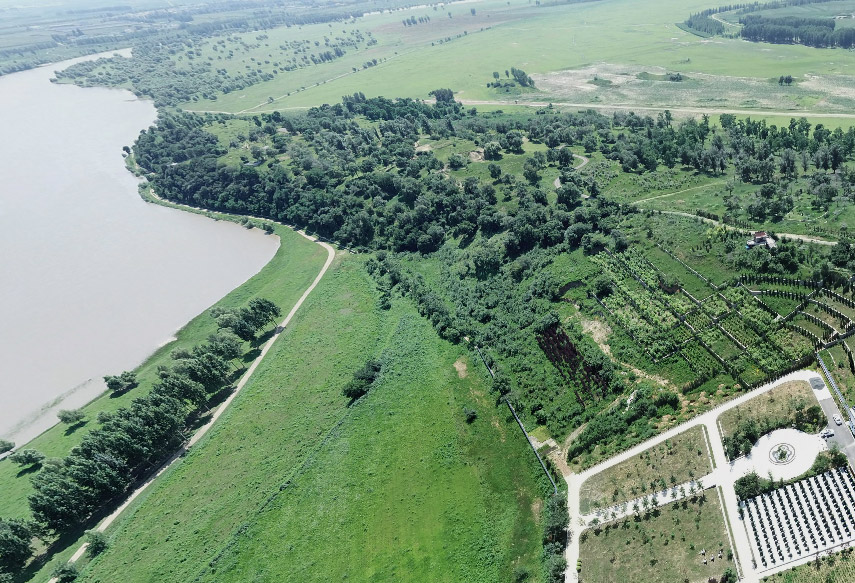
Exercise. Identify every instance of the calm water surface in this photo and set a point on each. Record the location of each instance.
(92, 279)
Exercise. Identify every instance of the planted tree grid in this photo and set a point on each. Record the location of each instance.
(802, 519)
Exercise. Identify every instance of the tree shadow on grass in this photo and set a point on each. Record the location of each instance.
(30, 469)
(251, 355)
(72, 428)
(65, 540)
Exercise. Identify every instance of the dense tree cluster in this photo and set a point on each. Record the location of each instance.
(704, 24)
(813, 32)
(121, 383)
(362, 380)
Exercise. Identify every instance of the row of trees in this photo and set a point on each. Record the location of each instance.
(130, 441)
(813, 32)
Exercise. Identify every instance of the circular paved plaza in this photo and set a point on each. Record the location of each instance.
(785, 453)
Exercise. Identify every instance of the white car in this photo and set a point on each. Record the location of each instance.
(837, 419)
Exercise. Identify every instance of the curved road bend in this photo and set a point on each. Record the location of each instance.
(219, 411)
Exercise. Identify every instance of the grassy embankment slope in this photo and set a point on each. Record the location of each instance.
(397, 486)
(282, 280)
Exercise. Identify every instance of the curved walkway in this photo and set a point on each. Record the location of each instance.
(102, 526)
(806, 238)
(584, 159)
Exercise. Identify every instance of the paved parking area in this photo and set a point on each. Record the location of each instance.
(842, 435)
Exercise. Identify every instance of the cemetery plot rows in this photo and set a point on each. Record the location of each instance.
(802, 519)
(728, 330)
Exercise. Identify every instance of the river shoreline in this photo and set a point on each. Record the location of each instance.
(111, 311)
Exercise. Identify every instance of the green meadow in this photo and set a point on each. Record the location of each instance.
(550, 42)
(293, 484)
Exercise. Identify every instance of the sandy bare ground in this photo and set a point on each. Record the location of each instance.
(102, 526)
(685, 110)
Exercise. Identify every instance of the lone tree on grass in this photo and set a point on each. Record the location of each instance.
(121, 383)
(71, 416)
(362, 380)
(27, 457)
(66, 572)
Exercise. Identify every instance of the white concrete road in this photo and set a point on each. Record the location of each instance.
(723, 475)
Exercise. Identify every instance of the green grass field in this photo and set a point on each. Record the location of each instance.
(283, 280)
(664, 546)
(566, 48)
(403, 489)
(677, 460)
(775, 403)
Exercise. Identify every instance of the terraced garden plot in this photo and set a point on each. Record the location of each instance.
(720, 344)
(782, 306)
(680, 302)
(699, 319)
(700, 360)
(839, 306)
(831, 319)
(792, 344)
(739, 330)
(817, 329)
(755, 314)
(688, 280)
(768, 356)
(748, 370)
(715, 306)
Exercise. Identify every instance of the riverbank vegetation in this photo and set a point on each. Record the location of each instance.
(399, 473)
(297, 257)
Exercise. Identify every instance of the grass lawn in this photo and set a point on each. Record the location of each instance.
(401, 488)
(676, 460)
(282, 280)
(779, 402)
(617, 39)
(665, 546)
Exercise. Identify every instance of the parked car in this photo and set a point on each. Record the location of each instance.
(837, 419)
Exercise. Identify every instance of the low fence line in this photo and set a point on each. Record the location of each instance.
(522, 427)
(834, 386)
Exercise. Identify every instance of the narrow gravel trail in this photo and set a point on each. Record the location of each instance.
(584, 159)
(104, 524)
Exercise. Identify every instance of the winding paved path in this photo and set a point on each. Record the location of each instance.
(102, 526)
